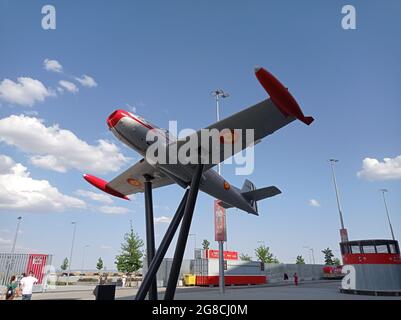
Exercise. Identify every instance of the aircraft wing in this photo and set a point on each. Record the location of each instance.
(264, 118)
(131, 181)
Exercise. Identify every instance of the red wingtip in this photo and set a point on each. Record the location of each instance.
(102, 185)
(281, 96)
(308, 120)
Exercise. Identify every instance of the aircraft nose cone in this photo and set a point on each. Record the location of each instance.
(256, 68)
(116, 116)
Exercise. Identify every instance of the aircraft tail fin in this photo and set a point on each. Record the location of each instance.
(253, 195)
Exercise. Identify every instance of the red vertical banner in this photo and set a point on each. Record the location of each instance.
(220, 232)
(36, 264)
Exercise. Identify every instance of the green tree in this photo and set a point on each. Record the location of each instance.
(245, 257)
(99, 265)
(300, 260)
(64, 265)
(205, 244)
(328, 256)
(264, 255)
(336, 262)
(130, 259)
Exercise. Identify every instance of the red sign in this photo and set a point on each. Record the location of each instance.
(372, 258)
(228, 255)
(36, 264)
(220, 232)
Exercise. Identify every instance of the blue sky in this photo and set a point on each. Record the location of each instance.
(164, 58)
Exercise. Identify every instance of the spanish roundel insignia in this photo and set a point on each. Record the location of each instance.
(134, 182)
(226, 185)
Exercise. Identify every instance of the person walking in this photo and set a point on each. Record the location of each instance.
(124, 280)
(12, 288)
(26, 284)
(296, 279)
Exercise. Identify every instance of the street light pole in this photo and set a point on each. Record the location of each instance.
(388, 215)
(193, 235)
(343, 231)
(11, 263)
(72, 248)
(16, 235)
(83, 257)
(217, 94)
(313, 255)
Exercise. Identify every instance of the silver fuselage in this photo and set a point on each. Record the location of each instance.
(133, 130)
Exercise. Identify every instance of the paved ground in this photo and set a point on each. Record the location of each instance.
(317, 290)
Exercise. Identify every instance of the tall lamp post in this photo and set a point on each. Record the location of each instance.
(72, 248)
(388, 215)
(10, 263)
(193, 235)
(311, 254)
(220, 94)
(343, 231)
(16, 235)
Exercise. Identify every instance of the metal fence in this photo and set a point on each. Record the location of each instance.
(15, 264)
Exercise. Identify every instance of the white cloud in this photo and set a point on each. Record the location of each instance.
(4, 241)
(18, 191)
(87, 81)
(95, 196)
(58, 149)
(8, 231)
(24, 92)
(373, 169)
(314, 203)
(113, 210)
(163, 219)
(52, 65)
(69, 86)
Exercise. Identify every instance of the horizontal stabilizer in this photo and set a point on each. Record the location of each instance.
(259, 194)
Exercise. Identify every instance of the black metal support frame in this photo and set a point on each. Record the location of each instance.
(150, 233)
(183, 236)
(184, 212)
(161, 251)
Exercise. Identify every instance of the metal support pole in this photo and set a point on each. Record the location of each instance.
(332, 161)
(10, 264)
(161, 251)
(183, 236)
(388, 215)
(221, 267)
(313, 255)
(150, 233)
(16, 235)
(72, 249)
(217, 94)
